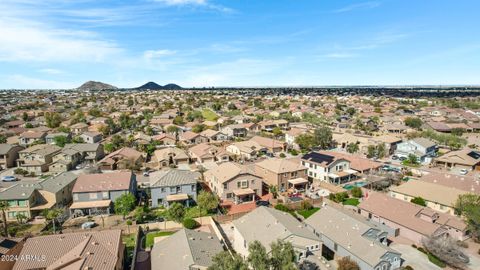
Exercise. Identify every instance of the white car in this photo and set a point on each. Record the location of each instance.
(463, 171)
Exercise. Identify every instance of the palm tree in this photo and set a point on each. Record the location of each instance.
(52, 214)
(4, 207)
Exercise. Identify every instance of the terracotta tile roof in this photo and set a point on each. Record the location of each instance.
(103, 181)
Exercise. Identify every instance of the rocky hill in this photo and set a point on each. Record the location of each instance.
(155, 86)
(93, 85)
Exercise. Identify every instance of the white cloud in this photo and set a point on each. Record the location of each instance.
(23, 40)
(50, 71)
(152, 54)
(182, 2)
(25, 82)
(364, 5)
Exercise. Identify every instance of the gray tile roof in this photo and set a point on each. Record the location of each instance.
(56, 183)
(185, 249)
(83, 147)
(4, 148)
(173, 177)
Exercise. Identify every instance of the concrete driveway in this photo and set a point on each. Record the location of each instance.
(414, 258)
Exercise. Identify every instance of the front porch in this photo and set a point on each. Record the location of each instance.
(342, 177)
(244, 195)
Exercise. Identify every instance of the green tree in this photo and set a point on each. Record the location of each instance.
(178, 120)
(371, 151)
(412, 159)
(323, 137)
(207, 200)
(419, 201)
(77, 139)
(198, 128)
(468, 206)
(357, 192)
(21, 218)
(60, 141)
(124, 204)
(257, 257)
(176, 212)
(282, 255)
(413, 122)
(305, 141)
(225, 261)
(457, 131)
(25, 116)
(95, 112)
(4, 208)
(3, 139)
(53, 119)
(352, 148)
(172, 129)
(53, 214)
(277, 132)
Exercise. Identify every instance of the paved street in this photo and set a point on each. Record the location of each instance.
(414, 258)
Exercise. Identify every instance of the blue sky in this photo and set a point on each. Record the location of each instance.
(62, 43)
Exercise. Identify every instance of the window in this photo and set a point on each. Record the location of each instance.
(162, 189)
(172, 189)
(12, 214)
(22, 203)
(75, 197)
(93, 195)
(229, 195)
(225, 186)
(335, 247)
(12, 203)
(193, 187)
(253, 182)
(239, 184)
(105, 195)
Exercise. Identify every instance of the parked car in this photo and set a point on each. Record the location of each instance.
(463, 171)
(394, 157)
(262, 203)
(9, 178)
(88, 225)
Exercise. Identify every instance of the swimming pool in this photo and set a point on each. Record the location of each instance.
(356, 184)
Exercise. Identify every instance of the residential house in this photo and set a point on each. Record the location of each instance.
(272, 145)
(292, 134)
(124, 158)
(79, 250)
(31, 198)
(10, 248)
(438, 197)
(172, 186)
(345, 235)
(185, 249)
(421, 148)
(329, 168)
(50, 138)
(214, 135)
(65, 160)
(91, 152)
(91, 137)
(467, 158)
(170, 156)
(37, 158)
(267, 225)
(96, 193)
(29, 137)
(205, 152)
(246, 150)
(282, 173)
(9, 155)
(270, 125)
(410, 220)
(165, 139)
(235, 131)
(79, 128)
(190, 138)
(234, 182)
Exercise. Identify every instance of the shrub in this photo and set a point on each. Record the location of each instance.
(282, 155)
(283, 208)
(190, 223)
(408, 267)
(357, 192)
(419, 201)
(306, 205)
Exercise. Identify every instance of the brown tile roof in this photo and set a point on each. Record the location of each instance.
(83, 250)
(103, 182)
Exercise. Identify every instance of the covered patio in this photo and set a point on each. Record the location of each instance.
(298, 184)
(181, 198)
(243, 195)
(342, 177)
(90, 208)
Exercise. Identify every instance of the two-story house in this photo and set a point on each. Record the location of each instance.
(191, 138)
(91, 137)
(282, 173)
(65, 160)
(235, 131)
(172, 186)
(328, 168)
(91, 152)
(29, 137)
(422, 148)
(214, 135)
(30, 199)
(50, 138)
(8, 155)
(234, 182)
(96, 193)
(79, 128)
(37, 158)
(205, 152)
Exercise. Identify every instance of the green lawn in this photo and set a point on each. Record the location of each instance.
(209, 115)
(129, 240)
(308, 213)
(149, 241)
(194, 212)
(351, 201)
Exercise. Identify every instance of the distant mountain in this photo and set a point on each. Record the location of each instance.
(150, 86)
(93, 85)
(155, 86)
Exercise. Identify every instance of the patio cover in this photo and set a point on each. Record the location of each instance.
(243, 192)
(298, 181)
(91, 204)
(177, 197)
